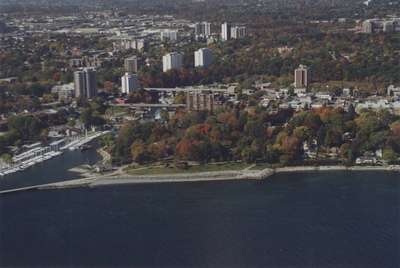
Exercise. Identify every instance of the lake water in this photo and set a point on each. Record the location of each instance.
(332, 219)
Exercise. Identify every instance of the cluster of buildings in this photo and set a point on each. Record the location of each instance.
(202, 30)
(204, 56)
(125, 32)
(301, 97)
(169, 35)
(89, 61)
(85, 83)
(232, 32)
(174, 60)
(381, 25)
(127, 43)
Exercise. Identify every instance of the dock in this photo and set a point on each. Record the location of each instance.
(41, 154)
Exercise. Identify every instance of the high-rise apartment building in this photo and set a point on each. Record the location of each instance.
(131, 65)
(85, 83)
(301, 77)
(203, 57)
(225, 31)
(238, 32)
(129, 83)
(172, 61)
(202, 29)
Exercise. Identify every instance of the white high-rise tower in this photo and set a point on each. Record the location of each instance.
(203, 57)
(129, 83)
(172, 61)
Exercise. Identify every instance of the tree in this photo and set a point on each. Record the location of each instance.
(139, 153)
(302, 133)
(390, 155)
(333, 138)
(121, 152)
(26, 127)
(6, 158)
(248, 155)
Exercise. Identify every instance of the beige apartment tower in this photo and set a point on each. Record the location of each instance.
(301, 77)
(131, 65)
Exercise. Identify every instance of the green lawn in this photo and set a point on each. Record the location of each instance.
(261, 166)
(161, 170)
(115, 110)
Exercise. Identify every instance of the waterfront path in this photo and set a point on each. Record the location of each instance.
(119, 177)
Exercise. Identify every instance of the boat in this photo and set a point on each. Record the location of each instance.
(85, 147)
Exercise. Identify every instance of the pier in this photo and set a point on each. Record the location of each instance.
(54, 185)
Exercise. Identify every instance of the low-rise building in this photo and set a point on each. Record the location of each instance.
(381, 25)
(64, 92)
(324, 96)
(169, 35)
(201, 101)
(238, 32)
(366, 160)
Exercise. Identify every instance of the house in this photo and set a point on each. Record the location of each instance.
(310, 149)
(393, 91)
(9, 80)
(323, 96)
(346, 92)
(262, 86)
(366, 160)
(298, 91)
(283, 93)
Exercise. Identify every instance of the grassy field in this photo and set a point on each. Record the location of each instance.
(116, 110)
(261, 166)
(162, 170)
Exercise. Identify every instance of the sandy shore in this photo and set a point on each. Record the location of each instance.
(118, 179)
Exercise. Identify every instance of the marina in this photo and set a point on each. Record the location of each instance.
(38, 153)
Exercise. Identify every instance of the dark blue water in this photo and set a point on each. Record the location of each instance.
(53, 170)
(335, 219)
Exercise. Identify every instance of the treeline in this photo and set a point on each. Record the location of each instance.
(254, 135)
(330, 56)
(23, 129)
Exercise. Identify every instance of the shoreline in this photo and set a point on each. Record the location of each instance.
(124, 179)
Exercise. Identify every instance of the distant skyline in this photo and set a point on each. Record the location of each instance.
(165, 2)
